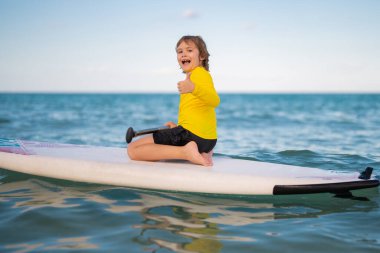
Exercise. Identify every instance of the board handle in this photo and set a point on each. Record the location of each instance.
(131, 133)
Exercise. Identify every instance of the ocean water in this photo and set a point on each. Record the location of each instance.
(328, 131)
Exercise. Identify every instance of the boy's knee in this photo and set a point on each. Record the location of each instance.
(131, 152)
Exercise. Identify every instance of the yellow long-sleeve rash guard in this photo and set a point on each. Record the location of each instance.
(197, 109)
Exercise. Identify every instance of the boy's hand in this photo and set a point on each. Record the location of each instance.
(170, 124)
(185, 86)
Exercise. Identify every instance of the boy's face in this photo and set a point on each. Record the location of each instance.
(188, 56)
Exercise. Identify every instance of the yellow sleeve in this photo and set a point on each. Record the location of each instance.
(204, 87)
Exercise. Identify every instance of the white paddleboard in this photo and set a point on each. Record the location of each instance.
(111, 166)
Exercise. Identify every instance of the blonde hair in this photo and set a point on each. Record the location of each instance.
(201, 45)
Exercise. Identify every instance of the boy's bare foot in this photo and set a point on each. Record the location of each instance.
(194, 156)
(208, 157)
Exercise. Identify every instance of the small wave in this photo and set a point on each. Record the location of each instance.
(4, 121)
(344, 162)
(355, 162)
(304, 157)
(303, 152)
(65, 116)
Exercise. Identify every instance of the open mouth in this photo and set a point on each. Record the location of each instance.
(184, 62)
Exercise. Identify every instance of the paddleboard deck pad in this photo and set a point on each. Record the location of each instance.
(111, 166)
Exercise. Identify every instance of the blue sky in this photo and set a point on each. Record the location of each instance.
(255, 46)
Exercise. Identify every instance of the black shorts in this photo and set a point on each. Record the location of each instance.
(179, 136)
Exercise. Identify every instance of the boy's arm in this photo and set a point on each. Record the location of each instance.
(204, 90)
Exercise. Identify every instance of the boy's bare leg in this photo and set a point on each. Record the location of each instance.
(208, 157)
(193, 155)
(145, 149)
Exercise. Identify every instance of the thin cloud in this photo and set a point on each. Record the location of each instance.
(189, 13)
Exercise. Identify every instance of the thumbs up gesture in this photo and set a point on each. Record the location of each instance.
(185, 86)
